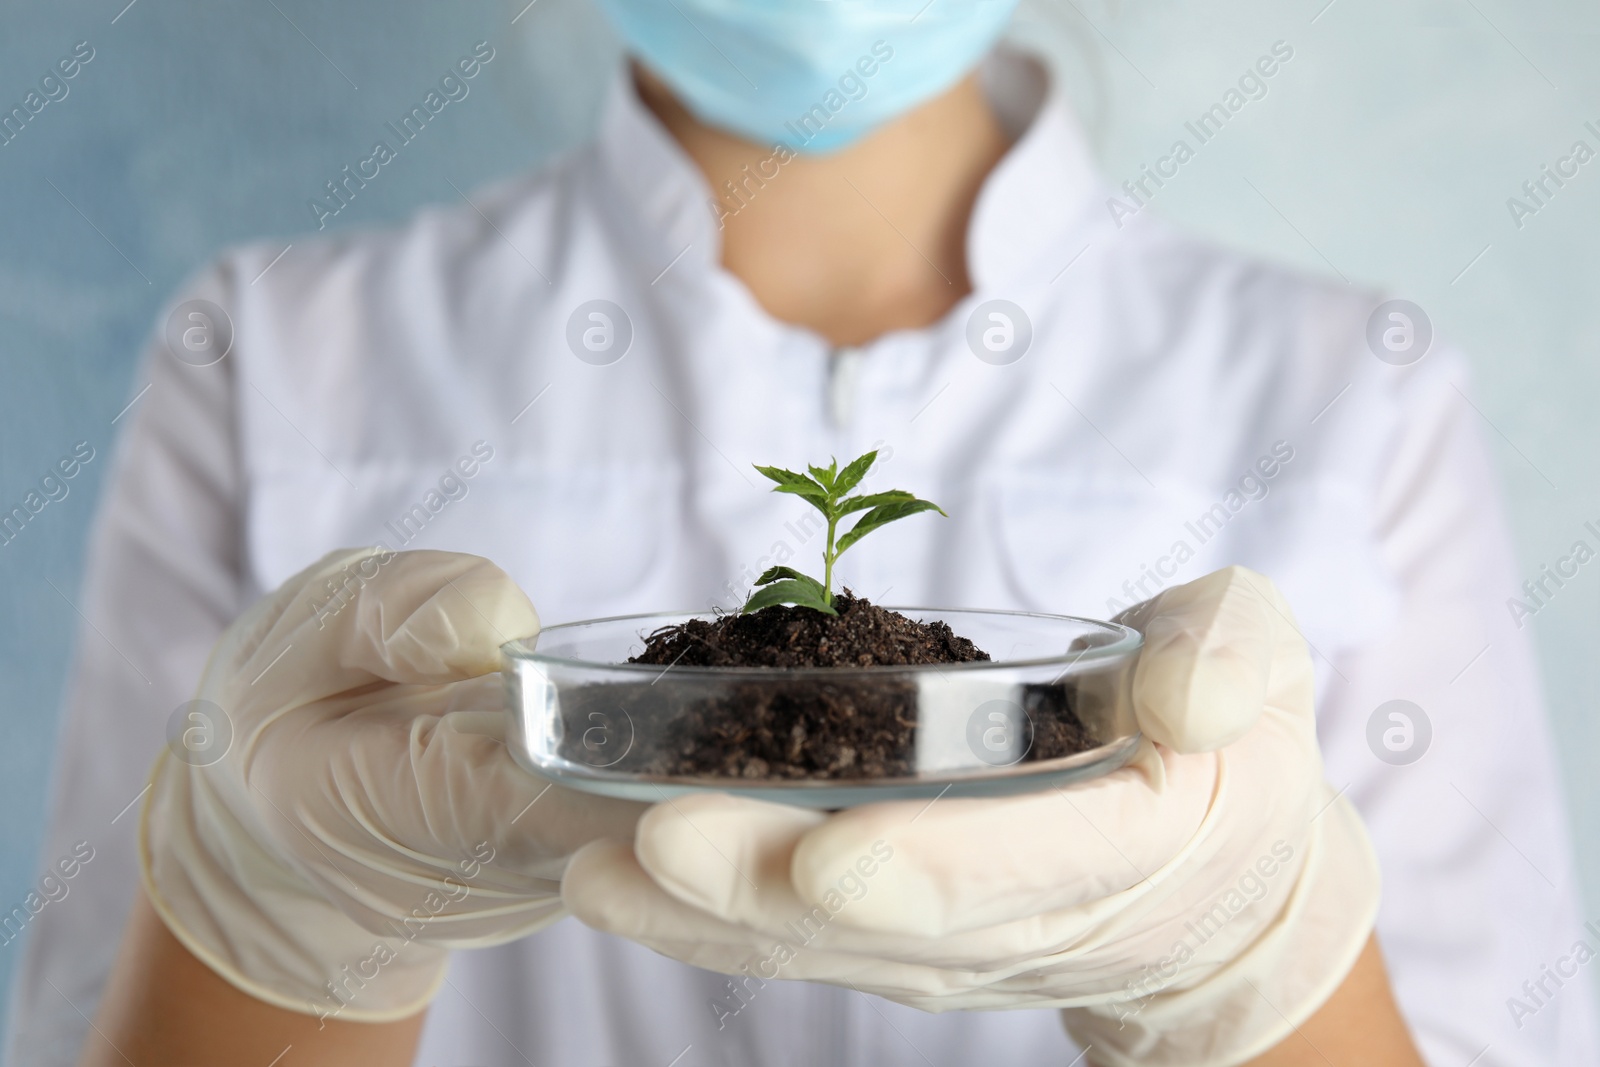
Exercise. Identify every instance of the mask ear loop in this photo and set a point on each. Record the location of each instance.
(1075, 56)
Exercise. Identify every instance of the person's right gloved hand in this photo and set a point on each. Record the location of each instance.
(365, 815)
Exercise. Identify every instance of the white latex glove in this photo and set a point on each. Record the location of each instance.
(1191, 908)
(366, 815)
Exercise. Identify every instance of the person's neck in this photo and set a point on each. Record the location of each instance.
(853, 244)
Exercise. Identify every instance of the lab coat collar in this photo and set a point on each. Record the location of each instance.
(655, 176)
(1023, 213)
(1041, 189)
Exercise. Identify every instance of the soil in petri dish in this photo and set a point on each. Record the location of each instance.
(853, 728)
(861, 635)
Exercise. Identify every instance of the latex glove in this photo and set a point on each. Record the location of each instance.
(366, 815)
(1191, 908)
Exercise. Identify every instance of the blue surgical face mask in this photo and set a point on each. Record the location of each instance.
(814, 75)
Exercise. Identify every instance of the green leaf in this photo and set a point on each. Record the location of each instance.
(872, 500)
(882, 515)
(798, 484)
(773, 574)
(824, 475)
(806, 594)
(786, 477)
(851, 476)
(814, 493)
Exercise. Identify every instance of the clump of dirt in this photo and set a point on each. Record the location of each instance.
(861, 635)
(813, 728)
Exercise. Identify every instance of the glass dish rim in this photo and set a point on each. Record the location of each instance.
(1129, 642)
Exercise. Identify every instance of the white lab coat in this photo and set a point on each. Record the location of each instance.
(1162, 373)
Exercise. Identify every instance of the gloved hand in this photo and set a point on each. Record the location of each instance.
(1191, 908)
(366, 815)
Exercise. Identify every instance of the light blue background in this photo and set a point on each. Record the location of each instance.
(1384, 151)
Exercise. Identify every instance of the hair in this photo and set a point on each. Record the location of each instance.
(1075, 55)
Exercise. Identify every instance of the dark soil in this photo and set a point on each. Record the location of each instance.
(861, 635)
(851, 728)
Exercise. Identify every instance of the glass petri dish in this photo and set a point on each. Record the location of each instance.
(1052, 707)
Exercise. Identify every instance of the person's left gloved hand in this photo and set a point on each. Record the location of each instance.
(1189, 909)
(346, 809)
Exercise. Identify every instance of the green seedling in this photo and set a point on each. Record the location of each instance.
(825, 489)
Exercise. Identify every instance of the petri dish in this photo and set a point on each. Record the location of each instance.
(1052, 707)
